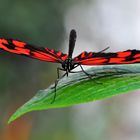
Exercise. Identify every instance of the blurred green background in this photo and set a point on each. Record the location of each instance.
(47, 23)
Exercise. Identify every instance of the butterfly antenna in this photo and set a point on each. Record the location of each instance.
(104, 49)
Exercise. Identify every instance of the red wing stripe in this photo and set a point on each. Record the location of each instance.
(137, 56)
(18, 43)
(92, 58)
(123, 54)
(93, 61)
(1, 43)
(59, 53)
(64, 57)
(116, 60)
(22, 48)
(83, 55)
(43, 56)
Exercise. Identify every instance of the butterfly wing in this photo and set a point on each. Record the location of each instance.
(23, 48)
(92, 58)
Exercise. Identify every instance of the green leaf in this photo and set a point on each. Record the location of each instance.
(77, 88)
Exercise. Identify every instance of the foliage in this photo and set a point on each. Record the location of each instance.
(78, 88)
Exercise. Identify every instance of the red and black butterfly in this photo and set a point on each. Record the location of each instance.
(67, 62)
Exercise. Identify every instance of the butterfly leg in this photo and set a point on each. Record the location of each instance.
(57, 80)
(58, 72)
(89, 75)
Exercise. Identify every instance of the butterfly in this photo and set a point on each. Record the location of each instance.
(68, 63)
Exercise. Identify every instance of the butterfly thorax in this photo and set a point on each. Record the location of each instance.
(68, 65)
